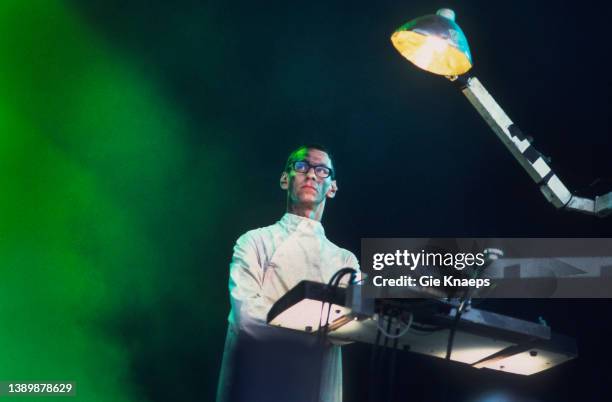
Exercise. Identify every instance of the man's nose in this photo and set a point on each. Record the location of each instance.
(311, 174)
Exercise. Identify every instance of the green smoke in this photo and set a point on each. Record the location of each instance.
(92, 162)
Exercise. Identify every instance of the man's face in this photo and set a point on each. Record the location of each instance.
(308, 188)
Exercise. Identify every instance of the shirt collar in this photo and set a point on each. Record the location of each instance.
(295, 222)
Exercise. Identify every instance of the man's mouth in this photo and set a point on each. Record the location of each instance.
(310, 187)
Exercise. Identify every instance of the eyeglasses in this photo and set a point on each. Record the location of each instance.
(321, 171)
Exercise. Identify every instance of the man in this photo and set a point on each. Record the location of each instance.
(268, 364)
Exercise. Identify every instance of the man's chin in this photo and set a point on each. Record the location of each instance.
(307, 200)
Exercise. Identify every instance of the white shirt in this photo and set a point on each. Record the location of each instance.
(268, 364)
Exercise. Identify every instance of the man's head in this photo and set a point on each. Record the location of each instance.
(309, 178)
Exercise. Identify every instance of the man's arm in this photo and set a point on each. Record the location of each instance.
(246, 282)
(351, 262)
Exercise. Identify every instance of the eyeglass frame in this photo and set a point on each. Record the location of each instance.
(331, 175)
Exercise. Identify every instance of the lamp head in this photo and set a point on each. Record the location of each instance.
(434, 43)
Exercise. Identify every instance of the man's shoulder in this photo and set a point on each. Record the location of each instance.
(255, 236)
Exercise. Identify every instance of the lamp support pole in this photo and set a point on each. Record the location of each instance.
(530, 159)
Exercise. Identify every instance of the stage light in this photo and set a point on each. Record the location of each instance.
(435, 43)
(497, 396)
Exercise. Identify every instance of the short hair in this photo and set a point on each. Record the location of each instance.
(319, 147)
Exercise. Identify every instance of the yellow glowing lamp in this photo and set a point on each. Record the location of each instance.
(434, 43)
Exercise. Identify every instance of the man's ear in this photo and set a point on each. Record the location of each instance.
(284, 181)
(331, 193)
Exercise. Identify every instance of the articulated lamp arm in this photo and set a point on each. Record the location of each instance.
(531, 159)
(435, 43)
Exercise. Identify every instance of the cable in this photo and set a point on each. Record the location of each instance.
(386, 393)
(383, 359)
(337, 277)
(391, 374)
(374, 373)
(391, 336)
(333, 283)
(465, 300)
(451, 337)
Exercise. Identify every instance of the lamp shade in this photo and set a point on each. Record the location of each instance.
(434, 43)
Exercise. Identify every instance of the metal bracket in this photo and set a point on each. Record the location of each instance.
(534, 163)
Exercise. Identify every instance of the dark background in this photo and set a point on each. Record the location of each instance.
(413, 158)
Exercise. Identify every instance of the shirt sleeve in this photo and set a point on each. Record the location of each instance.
(353, 262)
(246, 282)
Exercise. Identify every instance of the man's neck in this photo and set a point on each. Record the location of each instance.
(314, 212)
